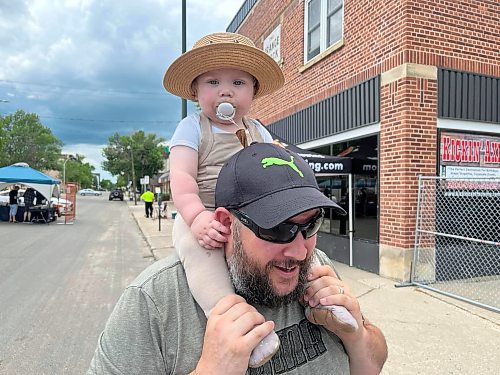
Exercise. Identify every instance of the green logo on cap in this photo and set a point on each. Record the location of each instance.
(267, 162)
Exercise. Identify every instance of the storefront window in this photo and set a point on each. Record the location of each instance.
(364, 153)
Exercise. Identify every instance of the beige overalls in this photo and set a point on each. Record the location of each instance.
(206, 270)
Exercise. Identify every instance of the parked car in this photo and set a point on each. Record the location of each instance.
(116, 194)
(84, 192)
(62, 205)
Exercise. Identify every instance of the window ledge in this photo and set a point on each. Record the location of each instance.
(334, 47)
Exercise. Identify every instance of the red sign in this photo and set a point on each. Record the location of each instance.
(470, 150)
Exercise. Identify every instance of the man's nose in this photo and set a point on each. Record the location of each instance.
(297, 249)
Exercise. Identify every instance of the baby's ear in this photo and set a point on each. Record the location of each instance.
(194, 89)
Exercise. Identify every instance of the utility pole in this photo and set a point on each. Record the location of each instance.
(184, 101)
(133, 173)
(133, 176)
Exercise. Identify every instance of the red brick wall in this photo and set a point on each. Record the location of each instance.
(263, 19)
(408, 148)
(379, 35)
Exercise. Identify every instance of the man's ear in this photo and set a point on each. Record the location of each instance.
(223, 216)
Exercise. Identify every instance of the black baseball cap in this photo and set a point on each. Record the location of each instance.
(269, 184)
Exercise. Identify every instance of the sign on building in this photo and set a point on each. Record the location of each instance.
(469, 155)
(272, 44)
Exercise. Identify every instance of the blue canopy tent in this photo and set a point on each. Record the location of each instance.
(21, 173)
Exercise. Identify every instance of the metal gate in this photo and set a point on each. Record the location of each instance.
(457, 239)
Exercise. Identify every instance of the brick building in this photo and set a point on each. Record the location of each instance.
(386, 81)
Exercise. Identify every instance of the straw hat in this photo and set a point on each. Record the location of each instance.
(223, 51)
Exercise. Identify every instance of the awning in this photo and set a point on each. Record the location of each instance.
(164, 177)
(325, 164)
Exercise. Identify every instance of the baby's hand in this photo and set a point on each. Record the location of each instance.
(210, 233)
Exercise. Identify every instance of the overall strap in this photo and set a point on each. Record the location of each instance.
(206, 139)
(252, 127)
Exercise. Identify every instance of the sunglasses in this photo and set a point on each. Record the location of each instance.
(284, 232)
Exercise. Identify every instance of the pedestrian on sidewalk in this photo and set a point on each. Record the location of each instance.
(148, 197)
(270, 199)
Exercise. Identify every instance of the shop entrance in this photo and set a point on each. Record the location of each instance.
(351, 239)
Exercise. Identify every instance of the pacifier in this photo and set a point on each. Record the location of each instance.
(225, 111)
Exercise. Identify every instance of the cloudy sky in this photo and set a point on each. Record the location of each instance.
(90, 68)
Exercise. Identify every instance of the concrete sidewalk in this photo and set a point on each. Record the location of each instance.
(157, 233)
(427, 333)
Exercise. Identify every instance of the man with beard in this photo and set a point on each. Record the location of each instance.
(269, 198)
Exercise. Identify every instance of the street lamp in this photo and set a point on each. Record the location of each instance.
(133, 173)
(69, 157)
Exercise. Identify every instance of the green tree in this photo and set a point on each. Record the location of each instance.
(26, 139)
(121, 181)
(106, 184)
(3, 142)
(145, 150)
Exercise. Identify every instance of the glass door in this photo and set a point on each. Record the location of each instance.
(365, 208)
(337, 189)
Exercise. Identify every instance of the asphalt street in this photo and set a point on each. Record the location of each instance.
(59, 283)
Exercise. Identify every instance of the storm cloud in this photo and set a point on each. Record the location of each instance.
(90, 68)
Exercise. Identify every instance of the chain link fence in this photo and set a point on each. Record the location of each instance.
(457, 241)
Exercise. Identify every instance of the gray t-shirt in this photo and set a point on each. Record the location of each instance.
(157, 328)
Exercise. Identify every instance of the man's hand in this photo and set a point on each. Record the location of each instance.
(234, 329)
(366, 346)
(210, 233)
(325, 288)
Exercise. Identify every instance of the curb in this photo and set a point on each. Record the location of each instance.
(151, 253)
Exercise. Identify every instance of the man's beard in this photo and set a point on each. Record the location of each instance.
(254, 284)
